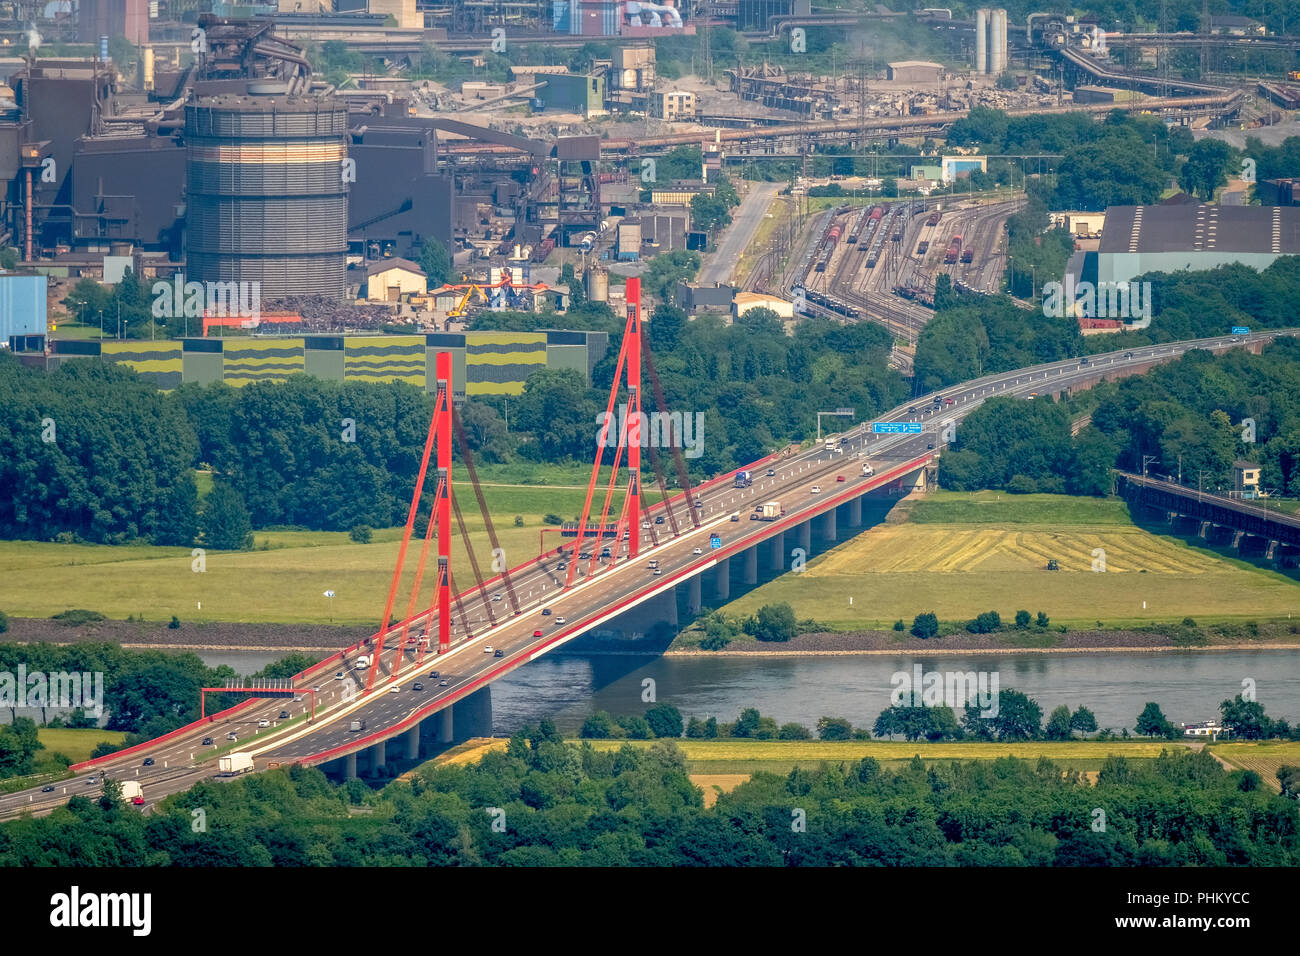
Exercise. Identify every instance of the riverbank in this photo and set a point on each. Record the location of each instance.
(199, 636)
(326, 639)
(1268, 635)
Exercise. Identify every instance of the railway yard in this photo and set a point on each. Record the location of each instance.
(879, 262)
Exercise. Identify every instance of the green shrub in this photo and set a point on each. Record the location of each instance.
(361, 534)
(75, 617)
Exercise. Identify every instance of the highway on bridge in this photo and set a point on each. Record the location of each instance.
(182, 758)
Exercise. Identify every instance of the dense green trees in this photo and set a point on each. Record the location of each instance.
(971, 339)
(92, 451)
(436, 262)
(1195, 407)
(1027, 447)
(18, 747)
(1120, 159)
(636, 806)
(225, 521)
(1206, 168)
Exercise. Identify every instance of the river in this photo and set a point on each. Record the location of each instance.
(1188, 685)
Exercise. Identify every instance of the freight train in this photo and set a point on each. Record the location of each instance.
(831, 303)
(832, 238)
(954, 250)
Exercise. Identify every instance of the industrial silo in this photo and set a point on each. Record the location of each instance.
(981, 40)
(267, 194)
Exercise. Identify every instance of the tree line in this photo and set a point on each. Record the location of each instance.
(544, 802)
(1018, 717)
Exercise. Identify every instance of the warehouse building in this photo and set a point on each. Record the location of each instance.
(22, 311)
(916, 72)
(1139, 239)
(392, 280)
(953, 168)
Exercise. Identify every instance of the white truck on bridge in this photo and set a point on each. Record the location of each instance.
(768, 511)
(235, 764)
(131, 790)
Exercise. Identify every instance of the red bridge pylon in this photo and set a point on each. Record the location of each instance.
(440, 434)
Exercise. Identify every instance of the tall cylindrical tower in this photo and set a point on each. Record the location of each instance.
(267, 194)
(981, 40)
(998, 42)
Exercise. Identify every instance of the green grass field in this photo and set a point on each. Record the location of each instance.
(781, 756)
(960, 554)
(76, 744)
(282, 580)
(1263, 757)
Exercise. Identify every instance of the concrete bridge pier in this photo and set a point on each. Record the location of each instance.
(1203, 531)
(776, 557)
(350, 767)
(804, 537)
(855, 513)
(379, 757)
(828, 526)
(749, 574)
(1252, 546)
(722, 579)
(1236, 540)
(412, 738)
(445, 725)
(693, 598)
(1271, 552)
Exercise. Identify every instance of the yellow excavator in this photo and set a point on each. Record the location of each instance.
(463, 304)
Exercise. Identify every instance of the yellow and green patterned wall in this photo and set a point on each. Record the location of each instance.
(483, 363)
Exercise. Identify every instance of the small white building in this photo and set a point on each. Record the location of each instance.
(1208, 728)
(742, 302)
(391, 280)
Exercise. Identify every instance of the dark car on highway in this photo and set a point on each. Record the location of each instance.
(148, 761)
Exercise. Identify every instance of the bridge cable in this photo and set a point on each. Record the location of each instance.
(678, 460)
(473, 561)
(482, 504)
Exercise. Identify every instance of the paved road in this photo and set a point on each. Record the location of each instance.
(737, 236)
(180, 762)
